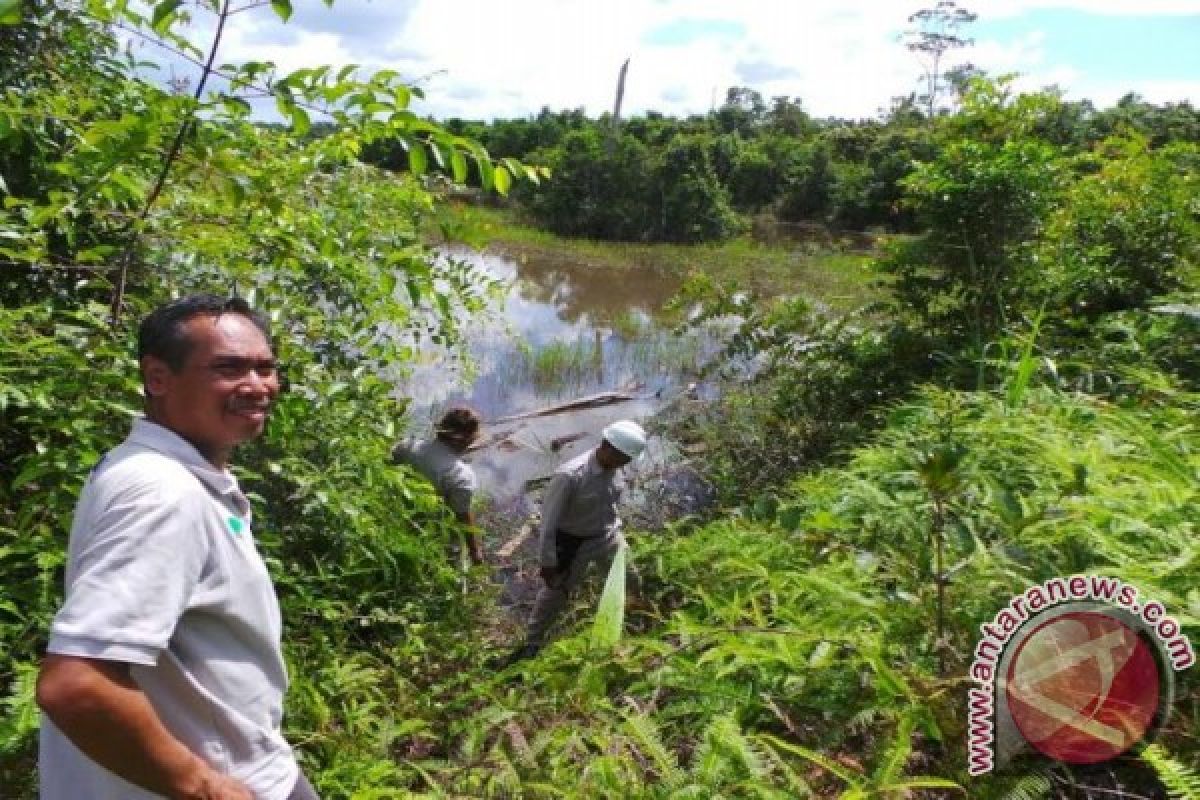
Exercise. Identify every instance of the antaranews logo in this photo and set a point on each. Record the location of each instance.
(1081, 669)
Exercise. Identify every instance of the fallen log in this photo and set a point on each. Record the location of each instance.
(591, 401)
(509, 548)
(558, 443)
(495, 438)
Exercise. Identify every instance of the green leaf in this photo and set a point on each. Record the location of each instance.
(10, 12)
(437, 149)
(235, 106)
(458, 165)
(1025, 368)
(418, 162)
(300, 121)
(414, 291)
(403, 96)
(502, 180)
(610, 615)
(161, 19)
(897, 754)
(815, 756)
(790, 517)
(515, 168)
(282, 8)
(485, 172)
(284, 102)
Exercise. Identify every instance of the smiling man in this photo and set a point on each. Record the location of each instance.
(164, 675)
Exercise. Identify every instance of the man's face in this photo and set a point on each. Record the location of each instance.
(221, 395)
(610, 457)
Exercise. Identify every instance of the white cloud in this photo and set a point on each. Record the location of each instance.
(481, 59)
(997, 9)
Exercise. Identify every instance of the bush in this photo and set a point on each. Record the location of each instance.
(600, 188)
(1125, 233)
(692, 205)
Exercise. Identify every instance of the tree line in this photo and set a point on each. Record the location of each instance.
(705, 177)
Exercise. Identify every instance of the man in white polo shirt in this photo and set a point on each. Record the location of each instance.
(164, 675)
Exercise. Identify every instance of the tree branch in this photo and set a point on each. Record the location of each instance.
(118, 297)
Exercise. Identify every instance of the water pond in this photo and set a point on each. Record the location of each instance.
(558, 331)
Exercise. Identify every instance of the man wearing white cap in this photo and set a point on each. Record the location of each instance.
(580, 525)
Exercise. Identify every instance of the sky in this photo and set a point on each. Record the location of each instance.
(481, 59)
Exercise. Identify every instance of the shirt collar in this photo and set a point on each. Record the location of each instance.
(149, 434)
(593, 465)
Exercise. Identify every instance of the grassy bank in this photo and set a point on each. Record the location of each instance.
(838, 277)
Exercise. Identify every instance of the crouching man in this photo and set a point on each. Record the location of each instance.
(440, 460)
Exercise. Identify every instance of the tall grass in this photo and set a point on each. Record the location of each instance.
(562, 362)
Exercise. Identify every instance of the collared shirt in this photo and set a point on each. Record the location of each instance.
(162, 574)
(450, 476)
(581, 500)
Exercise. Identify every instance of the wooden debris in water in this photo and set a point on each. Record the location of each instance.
(509, 548)
(559, 442)
(498, 436)
(534, 483)
(591, 401)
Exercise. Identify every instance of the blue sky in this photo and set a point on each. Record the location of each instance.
(687, 30)
(1127, 48)
(482, 59)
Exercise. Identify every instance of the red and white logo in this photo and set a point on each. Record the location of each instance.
(1083, 687)
(1079, 668)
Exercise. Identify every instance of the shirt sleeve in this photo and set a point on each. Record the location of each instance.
(460, 488)
(402, 452)
(136, 569)
(553, 503)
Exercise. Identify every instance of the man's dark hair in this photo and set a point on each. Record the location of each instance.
(162, 333)
(459, 424)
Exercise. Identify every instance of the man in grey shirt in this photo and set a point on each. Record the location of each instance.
(164, 675)
(440, 460)
(580, 525)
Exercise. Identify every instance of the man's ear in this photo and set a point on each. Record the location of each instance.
(156, 376)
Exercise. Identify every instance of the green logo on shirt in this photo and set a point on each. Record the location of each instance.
(235, 525)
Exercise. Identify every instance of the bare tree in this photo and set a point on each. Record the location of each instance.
(611, 143)
(620, 93)
(935, 31)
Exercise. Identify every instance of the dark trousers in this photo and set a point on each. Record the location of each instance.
(575, 554)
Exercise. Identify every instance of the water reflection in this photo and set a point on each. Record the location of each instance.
(578, 290)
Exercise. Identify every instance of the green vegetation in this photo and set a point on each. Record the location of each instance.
(629, 325)
(1020, 402)
(709, 177)
(559, 362)
(792, 649)
(118, 194)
